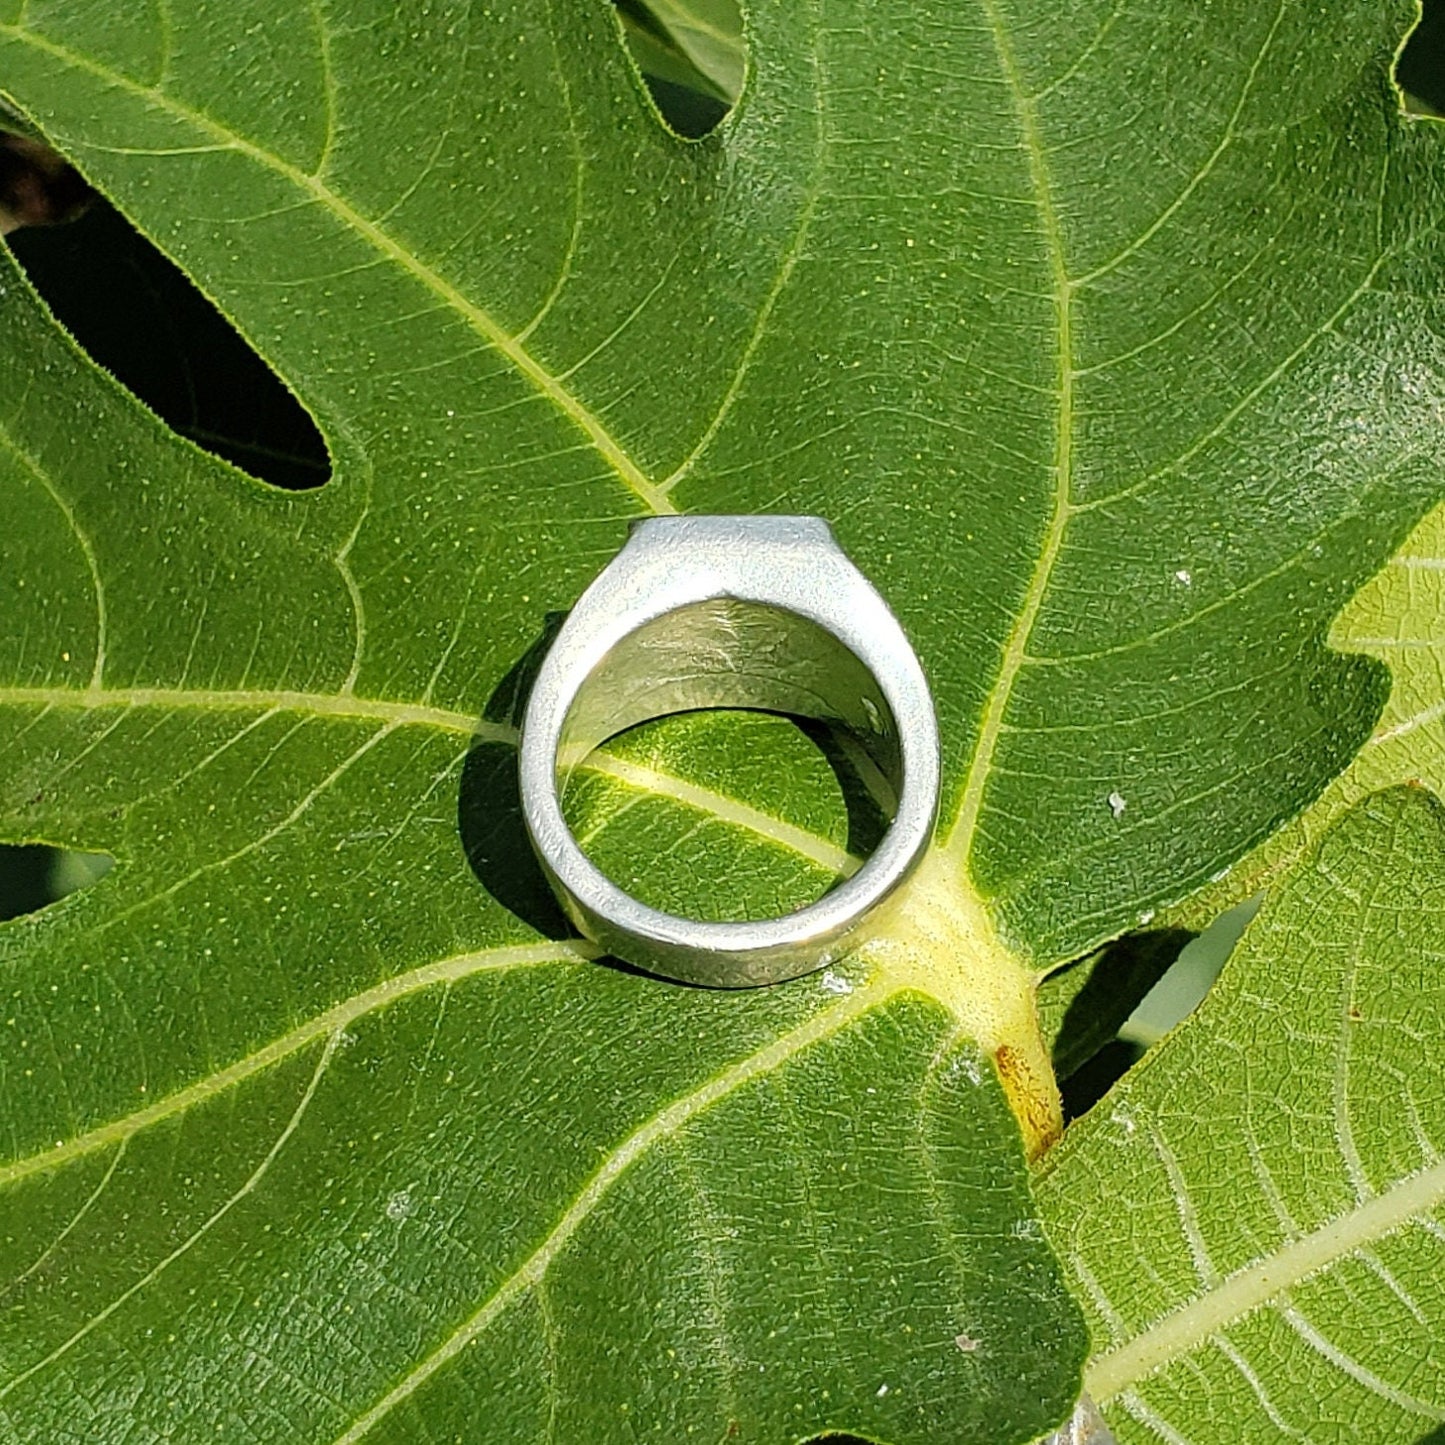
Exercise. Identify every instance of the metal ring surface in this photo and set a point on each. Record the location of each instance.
(729, 611)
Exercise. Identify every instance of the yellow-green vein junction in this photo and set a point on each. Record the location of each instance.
(940, 937)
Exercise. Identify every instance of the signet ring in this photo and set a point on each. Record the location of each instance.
(729, 612)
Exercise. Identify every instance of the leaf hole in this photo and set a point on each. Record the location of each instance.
(34, 876)
(1420, 65)
(37, 187)
(1124, 999)
(135, 313)
(1187, 982)
(693, 56)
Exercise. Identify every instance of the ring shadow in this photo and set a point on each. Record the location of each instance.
(489, 803)
(494, 832)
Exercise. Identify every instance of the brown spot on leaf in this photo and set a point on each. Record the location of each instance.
(1035, 1101)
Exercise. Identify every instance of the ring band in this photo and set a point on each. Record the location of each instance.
(729, 612)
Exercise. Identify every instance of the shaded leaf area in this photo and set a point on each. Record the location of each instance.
(1191, 977)
(722, 760)
(1050, 384)
(33, 876)
(1398, 618)
(1255, 1217)
(1101, 1014)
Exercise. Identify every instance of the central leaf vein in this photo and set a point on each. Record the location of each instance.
(960, 838)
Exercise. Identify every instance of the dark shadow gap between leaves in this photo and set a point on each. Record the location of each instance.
(1129, 996)
(1181, 990)
(1089, 1083)
(1105, 989)
(1420, 65)
(693, 68)
(37, 187)
(33, 876)
(135, 313)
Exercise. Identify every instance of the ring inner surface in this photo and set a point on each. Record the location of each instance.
(726, 653)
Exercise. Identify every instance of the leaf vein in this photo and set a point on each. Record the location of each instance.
(254, 1179)
(83, 541)
(960, 837)
(333, 1021)
(1227, 139)
(1346, 1362)
(1268, 1278)
(480, 320)
(791, 257)
(662, 1125)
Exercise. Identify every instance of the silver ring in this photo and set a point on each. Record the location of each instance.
(736, 612)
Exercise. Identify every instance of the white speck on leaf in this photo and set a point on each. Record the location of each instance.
(1117, 804)
(966, 1343)
(882, 1391)
(1184, 576)
(967, 1065)
(835, 982)
(1414, 381)
(399, 1205)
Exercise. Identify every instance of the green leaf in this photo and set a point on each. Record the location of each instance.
(1255, 1217)
(1398, 618)
(697, 42)
(311, 1090)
